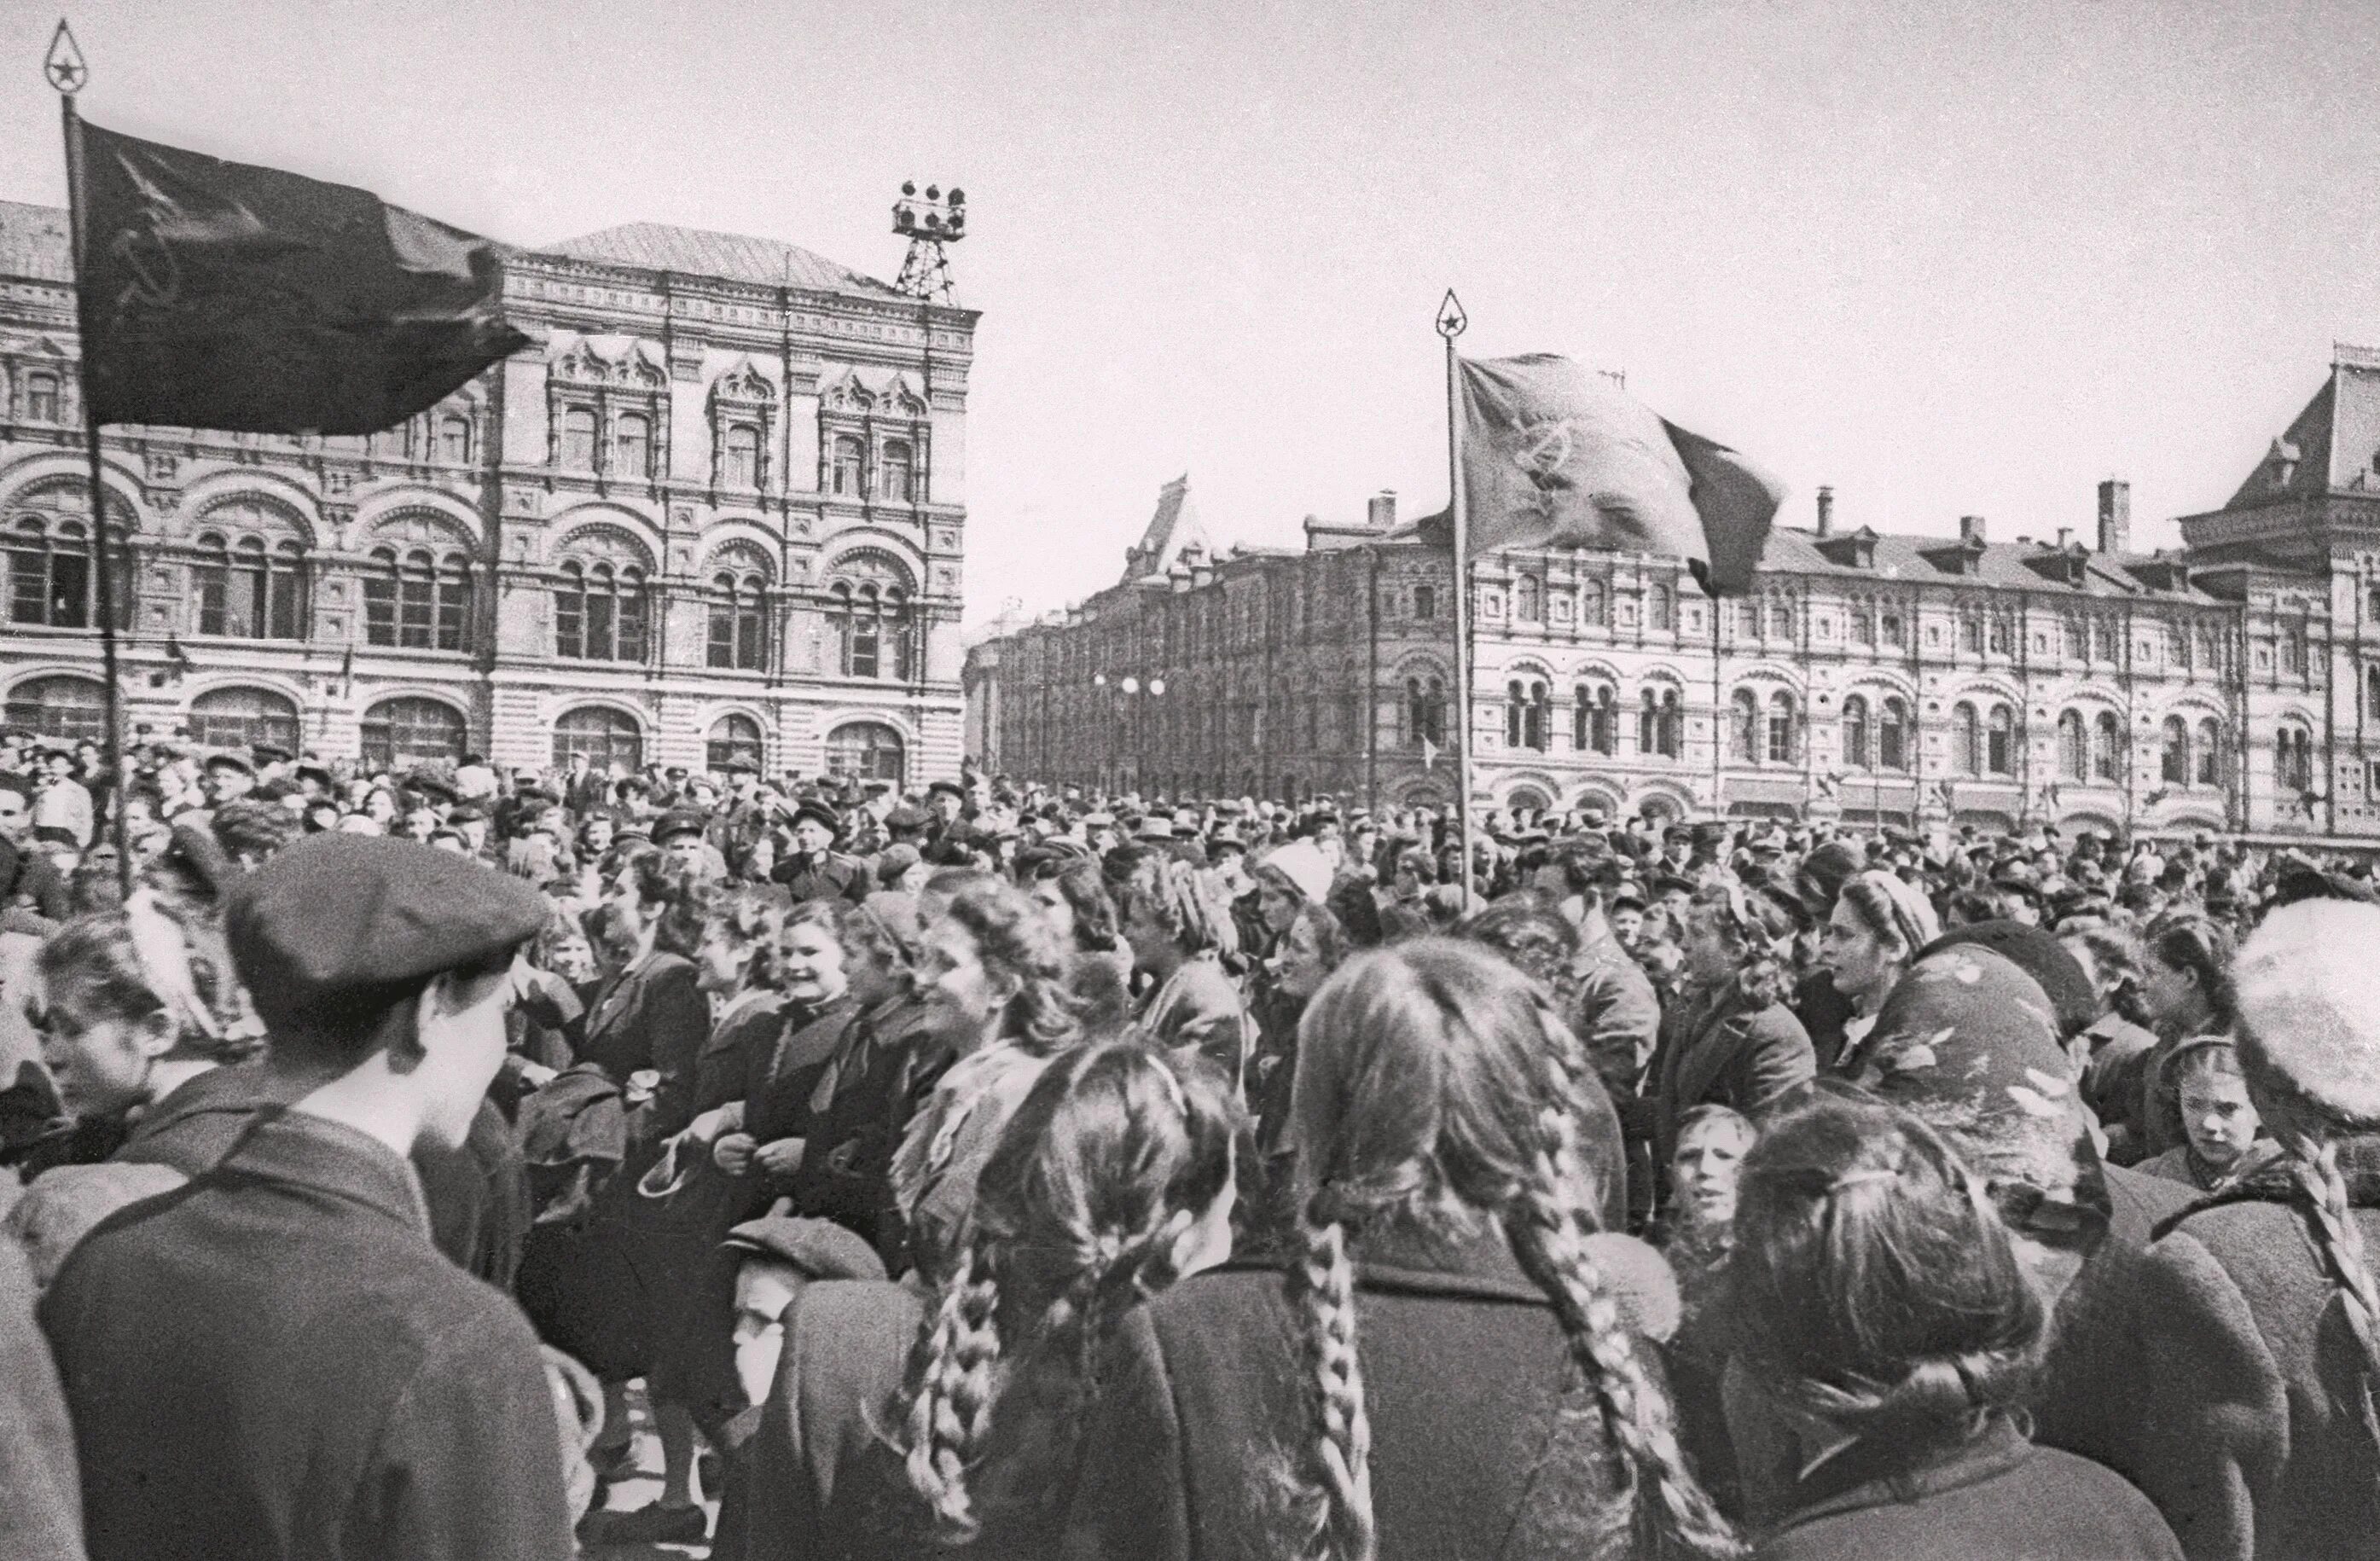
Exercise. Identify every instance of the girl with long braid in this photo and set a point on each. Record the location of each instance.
(1454, 1362)
(2255, 1317)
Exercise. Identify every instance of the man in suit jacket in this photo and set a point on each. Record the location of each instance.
(274, 1359)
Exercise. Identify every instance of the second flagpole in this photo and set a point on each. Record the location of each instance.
(1451, 322)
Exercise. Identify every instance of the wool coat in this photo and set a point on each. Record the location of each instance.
(1484, 1443)
(1724, 1050)
(2239, 1398)
(322, 1384)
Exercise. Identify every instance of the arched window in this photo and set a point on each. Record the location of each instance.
(49, 575)
(1892, 734)
(2107, 747)
(741, 465)
(248, 591)
(578, 438)
(1781, 746)
(1970, 631)
(2210, 752)
(1965, 744)
(900, 472)
(2073, 746)
(866, 750)
(739, 622)
(1748, 617)
(1592, 612)
(599, 612)
(611, 739)
(1999, 742)
(239, 718)
(1424, 601)
(1528, 599)
(873, 625)
(1663, 609)
(400, 733)
(2293, 649)
(455, 441)
(1660, 725)
(1743, 726)
(2173, 761)
(41, 398)
(419, 601)
(2293, 759)
(1425, 705)
(850, 466)
(1780, 618)
(1855, 733)
(734, 739)
(1895, 630)
(632, 445)
(71, 708)
(1526, 707)
(1595, 719)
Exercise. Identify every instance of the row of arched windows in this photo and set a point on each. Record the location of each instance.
(1593, 719)
(894, 481)
(1533, 603)
(1875, 737)
(1764, 732)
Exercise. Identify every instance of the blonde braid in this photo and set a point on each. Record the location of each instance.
(1547, 1224)
(1322, 1290)
(951, 1392)
(2313, 1164)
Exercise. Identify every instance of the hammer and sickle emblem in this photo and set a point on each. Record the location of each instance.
(154, 276)
(1541, 459)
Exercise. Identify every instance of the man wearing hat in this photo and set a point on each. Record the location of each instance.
(683, 833)
(323, 1381)
(813, 869)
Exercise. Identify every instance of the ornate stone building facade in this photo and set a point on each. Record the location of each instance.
(1901, 679)
(719, 509)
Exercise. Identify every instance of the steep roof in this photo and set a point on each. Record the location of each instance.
(1171, 529)
(734, 256)
(2333, 445)
(34, 242)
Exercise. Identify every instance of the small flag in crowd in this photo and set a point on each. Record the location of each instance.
(1428, 755)
(221, 296)
(1557, 456)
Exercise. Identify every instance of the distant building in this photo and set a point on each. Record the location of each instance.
(719, 511)
(1899, 679)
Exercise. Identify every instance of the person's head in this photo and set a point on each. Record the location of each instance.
(595, 834)
(120, 992)
(16, 808)
(1429, 1089)
(881, 941)
(1877, 927)
(738, 946)
(1278, 896)
(1740, 935)
(229, 778)
(2216, 1115)
(2110, 957)
(1167, 914)
(657, 907)
(1073, 893)
(1529, 931)
(1709, 1161)
(386, 961)
(813, 967)
(1113, 1178)
(1875, 1290)
(687, 852)
(1312, 948)
(992, 970)
(1626, 912)
(2185, 977)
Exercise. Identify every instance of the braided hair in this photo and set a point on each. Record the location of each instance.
(1430, 1090)
(1112, 1157)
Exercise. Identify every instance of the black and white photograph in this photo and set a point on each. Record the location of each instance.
(1232, 780)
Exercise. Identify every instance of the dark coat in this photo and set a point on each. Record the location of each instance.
(887, 1065)
(1998, 1499)
(323, 1385)
(1722, 1050)
(652, 1016)
(1484, 1442)
(1615, 1013)
(831, 876)
(2238, 1397)
(40, 1501)
(1198, 1009)
(845, 1345)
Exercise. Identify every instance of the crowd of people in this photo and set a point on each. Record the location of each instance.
(1002, 1169)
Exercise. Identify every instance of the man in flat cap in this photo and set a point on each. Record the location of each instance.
(813, 869)
(274, 1359)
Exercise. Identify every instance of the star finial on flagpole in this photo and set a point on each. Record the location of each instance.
(1451, 320)
(64, 64)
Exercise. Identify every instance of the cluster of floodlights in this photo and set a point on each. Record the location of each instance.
(932, 216)
(1129, 685)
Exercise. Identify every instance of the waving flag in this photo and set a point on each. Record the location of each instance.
(221, 296)
(1555, 455)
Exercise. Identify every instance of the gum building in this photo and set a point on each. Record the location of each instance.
(1991, 680)
(718, 511)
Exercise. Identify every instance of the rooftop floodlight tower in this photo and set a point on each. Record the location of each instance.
(931, 222)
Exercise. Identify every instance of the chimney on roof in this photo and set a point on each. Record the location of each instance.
(1825, 511)
(2065, 537)
(2115, 516)
(1971, 529)
(1381, 513)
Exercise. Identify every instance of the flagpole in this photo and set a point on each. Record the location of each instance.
(1451, 322)
(69, 74)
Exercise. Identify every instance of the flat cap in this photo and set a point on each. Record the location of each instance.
(334, 916)
(678, 821)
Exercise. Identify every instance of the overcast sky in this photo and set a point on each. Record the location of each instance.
(1952, 258)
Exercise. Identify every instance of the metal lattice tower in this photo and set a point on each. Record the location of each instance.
(931, 222)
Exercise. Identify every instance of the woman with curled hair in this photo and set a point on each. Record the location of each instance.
(1879, 924)
(2267, 1445)
(991, 976)
(1878, 1304)
(1179, 931)
(1454, 1359)
(1727, 1037)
